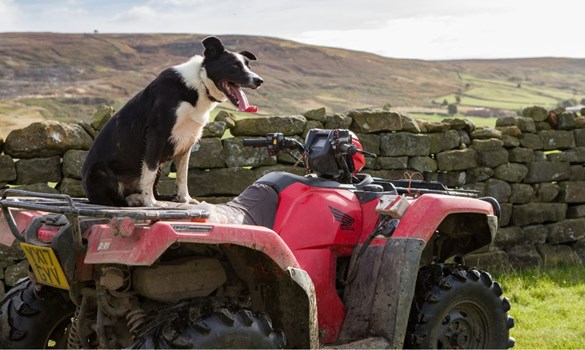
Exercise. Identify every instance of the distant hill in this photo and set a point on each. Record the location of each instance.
(63, 76)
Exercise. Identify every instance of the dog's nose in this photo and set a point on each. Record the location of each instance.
(257, 81)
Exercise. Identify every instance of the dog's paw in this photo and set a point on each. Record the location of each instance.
(159, 204)
(186, 199)
(135, 200)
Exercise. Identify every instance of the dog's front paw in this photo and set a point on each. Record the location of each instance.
(186, 199)
(159, 204)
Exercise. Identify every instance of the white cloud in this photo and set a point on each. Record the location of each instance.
(427, 29)
(10, 14)
(137, 13)
(517, 32)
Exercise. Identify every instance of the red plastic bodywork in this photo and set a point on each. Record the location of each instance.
(313, 228)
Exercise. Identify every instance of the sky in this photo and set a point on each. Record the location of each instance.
(419, 29)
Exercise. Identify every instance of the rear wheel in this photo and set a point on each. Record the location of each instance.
(222, 329)
(31, 318)
(458, 308)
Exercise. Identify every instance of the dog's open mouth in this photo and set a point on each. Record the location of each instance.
(237, 97)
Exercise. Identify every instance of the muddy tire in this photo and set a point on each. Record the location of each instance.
(458, 308)
(34, 319)
(223, 329)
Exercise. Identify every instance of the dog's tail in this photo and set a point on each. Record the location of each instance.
(101, 187)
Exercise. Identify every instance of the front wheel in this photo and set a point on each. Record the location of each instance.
(458, 308)
(34, 319)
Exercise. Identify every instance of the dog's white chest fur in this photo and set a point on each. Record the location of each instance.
(188, 127)
(191, 119)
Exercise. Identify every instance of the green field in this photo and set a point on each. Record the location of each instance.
(503, 94)
(548, 306)
(477, 121)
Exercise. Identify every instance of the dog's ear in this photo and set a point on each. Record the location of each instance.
(248, 55)
(213, 47)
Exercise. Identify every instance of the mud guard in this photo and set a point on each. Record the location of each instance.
(380, 296)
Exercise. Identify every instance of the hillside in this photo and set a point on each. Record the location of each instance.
(63, 76)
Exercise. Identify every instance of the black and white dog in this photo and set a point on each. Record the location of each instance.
(161, 123)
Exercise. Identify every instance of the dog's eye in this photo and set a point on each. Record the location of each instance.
(237, 65)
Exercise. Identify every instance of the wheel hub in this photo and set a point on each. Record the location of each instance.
(458, 331)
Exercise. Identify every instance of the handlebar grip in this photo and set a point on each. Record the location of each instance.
(256, 142)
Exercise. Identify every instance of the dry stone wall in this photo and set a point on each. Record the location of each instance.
(533, 164)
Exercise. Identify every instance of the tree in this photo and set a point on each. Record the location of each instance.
(452, 108)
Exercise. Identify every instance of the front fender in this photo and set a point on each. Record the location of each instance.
(426, 213)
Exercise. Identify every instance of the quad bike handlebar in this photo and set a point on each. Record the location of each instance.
(276, 142)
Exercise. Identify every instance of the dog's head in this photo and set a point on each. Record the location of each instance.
(230, 72)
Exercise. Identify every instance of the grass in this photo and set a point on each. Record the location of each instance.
(548, 306)
(477, 121)
(506, 94)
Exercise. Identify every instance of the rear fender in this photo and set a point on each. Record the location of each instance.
(144, 244)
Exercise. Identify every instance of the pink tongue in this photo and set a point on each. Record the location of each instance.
(243, 105)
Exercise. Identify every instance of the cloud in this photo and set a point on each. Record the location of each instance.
(136, 14)
(10, 14)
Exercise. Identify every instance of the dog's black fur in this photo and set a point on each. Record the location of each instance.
(160, 124)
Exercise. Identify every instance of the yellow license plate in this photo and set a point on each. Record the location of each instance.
(45, 266)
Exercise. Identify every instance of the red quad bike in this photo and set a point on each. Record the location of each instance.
(336, 258)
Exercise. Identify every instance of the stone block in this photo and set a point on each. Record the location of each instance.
(532, 141)
(71, 187)
(506, 214)
(521, 193)
(486, 134)
(556, 139)
(207, 154)
(338, 121)
(498, 189)
(46, 139)
(392, 163)
(238, 155)
(72, 163)
(38, 170)
(487, 144)
(538, 213)
(546, 192)
(370, 142)
(404, 144)
(521, 155)
(444, 141)
(558, 255)
(547, 172)
(457, 160)
(508, 237)
(371, 121)
(511, 172)
(493, 158)
(536, 113)
(214, 129)
(566, 231)
(234, 181)
(535, 234)
(7, 169)
(572, 191)
(422, 164)
(479, 174)
(490, 261)
(523, 256)
(576, 211)
(318, 114)
(579, 137)
(260, 126)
